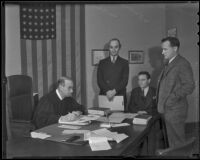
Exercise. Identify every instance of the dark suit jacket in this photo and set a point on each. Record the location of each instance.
(113, 76)
(140, 103)
(177, 82)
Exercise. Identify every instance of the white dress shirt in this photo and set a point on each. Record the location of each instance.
(172, 59)
(146, 91)
(58, 94)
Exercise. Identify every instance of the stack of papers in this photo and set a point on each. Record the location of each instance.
(39, 135)
(69, 127)
(141, 119)
(99, 143)
(123, 115)
(82, 120)
(75, 131)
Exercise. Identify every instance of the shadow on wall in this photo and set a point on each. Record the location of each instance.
(156, 61)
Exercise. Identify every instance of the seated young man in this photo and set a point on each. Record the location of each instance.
(142, 98)
(57, 104)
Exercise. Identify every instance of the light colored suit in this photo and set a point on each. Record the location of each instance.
(175, 83)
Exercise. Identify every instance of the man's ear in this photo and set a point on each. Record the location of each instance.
(149, 80)
(175, 48)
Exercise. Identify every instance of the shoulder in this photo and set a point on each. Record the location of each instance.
(49, 97)
(183, 61)
(152, 89)
(122, 60)
(104, 60)
(135, 90)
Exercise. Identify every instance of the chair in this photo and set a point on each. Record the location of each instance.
(21, 105)
(185, 149)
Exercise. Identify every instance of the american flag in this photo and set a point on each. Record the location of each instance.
(38, 21)
(48, 58)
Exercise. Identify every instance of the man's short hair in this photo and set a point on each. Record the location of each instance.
(144, 73)
(174, 42)
(61, 80)
(116, 39)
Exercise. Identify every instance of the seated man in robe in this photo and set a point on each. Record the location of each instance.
(58, 104)
(142, 98)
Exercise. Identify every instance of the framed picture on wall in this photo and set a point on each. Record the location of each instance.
(136, 57)
(172, 32)
(98, 54)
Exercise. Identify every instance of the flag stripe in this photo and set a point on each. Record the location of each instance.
(77, 52)
(58, 40)
(54, 61)
(73, 60)
(40, 70)
(44, 66)
(63, 40)
(68, 48)
(29, 58)
(23, 57)
(82, 46)
(49, 63)
(34, 67)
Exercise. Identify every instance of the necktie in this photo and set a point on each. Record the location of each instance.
(114, 58)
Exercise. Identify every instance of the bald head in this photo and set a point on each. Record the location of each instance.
(65, 86)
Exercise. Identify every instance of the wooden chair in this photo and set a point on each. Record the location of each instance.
(185, 149)
(20, 105)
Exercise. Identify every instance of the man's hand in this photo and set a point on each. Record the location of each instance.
(110, 94)
(69, 117)
(77, 113)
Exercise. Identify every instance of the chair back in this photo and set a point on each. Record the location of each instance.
(185, 149)
(20, 95)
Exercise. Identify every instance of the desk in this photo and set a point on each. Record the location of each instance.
(30, 147)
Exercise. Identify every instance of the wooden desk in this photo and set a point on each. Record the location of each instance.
(29, 147)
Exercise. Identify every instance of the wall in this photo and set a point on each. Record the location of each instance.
(138, 26)
(185, 18)
(13, 59)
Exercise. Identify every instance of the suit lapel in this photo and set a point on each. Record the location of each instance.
(171, 65)
(149, 97)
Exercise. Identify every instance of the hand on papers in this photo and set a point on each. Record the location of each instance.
(69, 117)
(142, 112)
(77, 113)
(110, 94)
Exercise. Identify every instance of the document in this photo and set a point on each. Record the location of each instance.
(111, 135)
(116, 104)
(116, 119)
(120, 125)
(123, 115)
(75, 131)
(99, 143)
(69, 127)
(39, 135)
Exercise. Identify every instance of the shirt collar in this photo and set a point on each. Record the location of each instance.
(111, 57)
(172, 59)
(58, 94)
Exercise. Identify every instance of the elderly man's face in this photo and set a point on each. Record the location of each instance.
(114, 47)
(67, 89)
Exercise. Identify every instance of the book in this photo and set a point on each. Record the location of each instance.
(99, 111)
(141, 119)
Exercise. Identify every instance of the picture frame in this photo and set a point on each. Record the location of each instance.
(98, 54)
(136, 57)
(172, 32)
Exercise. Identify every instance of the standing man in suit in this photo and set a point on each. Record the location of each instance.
(175, 83)
(142, 98)
(113, 72)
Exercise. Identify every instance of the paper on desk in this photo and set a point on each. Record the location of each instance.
(112, 135)
(99, 143)
(116, 119)
(123, 115)
(119, 137)
(120, 125)
(39, 135)
(75, 131)
(69, 127)
(89, 135)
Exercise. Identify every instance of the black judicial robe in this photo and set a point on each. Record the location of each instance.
(50, 108)
(139, 102)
